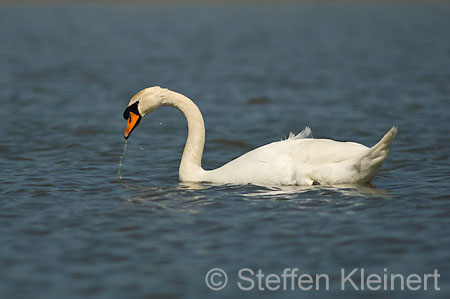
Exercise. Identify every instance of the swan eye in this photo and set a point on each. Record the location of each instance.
(126, 113)
(132, 108)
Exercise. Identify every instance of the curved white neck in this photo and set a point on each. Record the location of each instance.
(191, 161)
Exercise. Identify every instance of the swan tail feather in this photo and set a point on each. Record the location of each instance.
(368, 163)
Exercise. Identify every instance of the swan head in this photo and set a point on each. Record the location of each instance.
(141, 104)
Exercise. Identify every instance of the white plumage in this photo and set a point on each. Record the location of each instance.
(297, 160)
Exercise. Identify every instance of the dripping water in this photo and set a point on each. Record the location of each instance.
(119, 172)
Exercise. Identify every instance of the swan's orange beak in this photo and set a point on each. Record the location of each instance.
(133, 121)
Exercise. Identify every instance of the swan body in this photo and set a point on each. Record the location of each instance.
(298, 160)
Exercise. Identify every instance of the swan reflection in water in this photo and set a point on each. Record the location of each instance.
(258, 191)
(201, 192)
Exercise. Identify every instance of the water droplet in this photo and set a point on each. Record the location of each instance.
(141, 146)
(119, 172)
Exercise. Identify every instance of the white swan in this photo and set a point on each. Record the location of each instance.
(297, 160)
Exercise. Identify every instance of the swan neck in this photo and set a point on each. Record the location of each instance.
(191, 160)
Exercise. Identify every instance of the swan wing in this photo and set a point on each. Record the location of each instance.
(286, 162)
(302, 161)
(359, 169)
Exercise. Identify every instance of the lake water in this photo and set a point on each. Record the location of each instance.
(71, 228)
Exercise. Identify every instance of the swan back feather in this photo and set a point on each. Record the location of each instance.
(306, 133)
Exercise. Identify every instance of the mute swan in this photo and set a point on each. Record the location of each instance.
(297, 160)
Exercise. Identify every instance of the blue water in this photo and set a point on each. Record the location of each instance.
(71, 228)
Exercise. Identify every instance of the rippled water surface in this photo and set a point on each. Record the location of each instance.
(71, 228)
